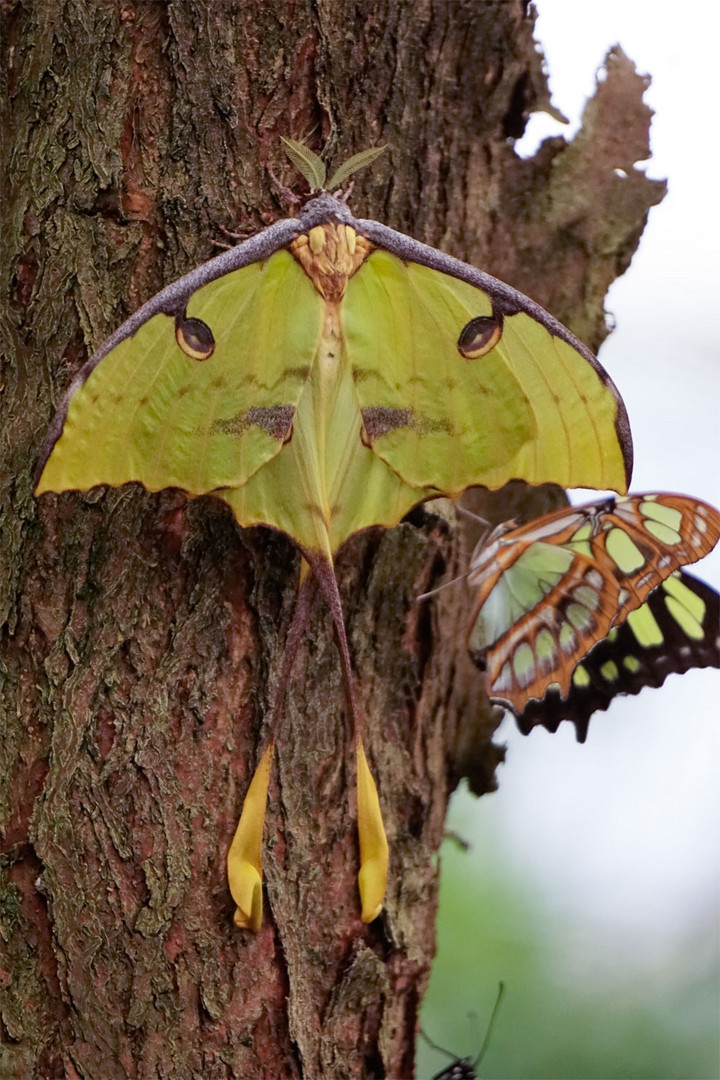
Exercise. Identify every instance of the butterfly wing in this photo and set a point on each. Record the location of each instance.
(676, 629)
(644, 538)
(550, 590)
(535, 622)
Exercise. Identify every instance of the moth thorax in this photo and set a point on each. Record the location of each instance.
(330, 255)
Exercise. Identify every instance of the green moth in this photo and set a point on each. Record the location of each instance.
(326, 376)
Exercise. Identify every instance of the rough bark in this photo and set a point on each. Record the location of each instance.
(142, 634)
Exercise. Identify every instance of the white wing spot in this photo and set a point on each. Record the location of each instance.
(645, 580)
(594, 578)
(587, 596)
(568, 639)
(504, 680)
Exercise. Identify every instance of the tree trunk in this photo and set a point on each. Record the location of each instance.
(142, 633)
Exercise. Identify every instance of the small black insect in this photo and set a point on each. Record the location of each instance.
(466, 1068)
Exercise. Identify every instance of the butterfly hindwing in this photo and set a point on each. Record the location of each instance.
(550, 590)
(646, 538)
(676, 629)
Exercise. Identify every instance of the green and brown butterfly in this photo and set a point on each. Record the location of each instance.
(587, 602)
(323, 377)
(675, 630)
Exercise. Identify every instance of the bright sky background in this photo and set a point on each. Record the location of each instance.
(621, 834)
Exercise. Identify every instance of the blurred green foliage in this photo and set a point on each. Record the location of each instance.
(575, 1007)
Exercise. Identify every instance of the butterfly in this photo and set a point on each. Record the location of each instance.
(550, 590)
(676, 629)
(326, 376)
(466, 1068)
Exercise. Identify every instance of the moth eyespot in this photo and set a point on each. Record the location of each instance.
(480, 336)
(195, 338)
(364, 437)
